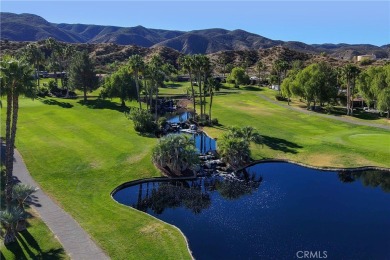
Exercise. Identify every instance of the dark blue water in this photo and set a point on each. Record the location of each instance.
(180, 118)
(275, 211)
(204, 143)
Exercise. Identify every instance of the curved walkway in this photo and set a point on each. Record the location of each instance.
(343, 119)
(76, 242)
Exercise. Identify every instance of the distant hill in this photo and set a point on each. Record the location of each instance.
(29, 27)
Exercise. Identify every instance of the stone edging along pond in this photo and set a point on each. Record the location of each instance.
(139, 181)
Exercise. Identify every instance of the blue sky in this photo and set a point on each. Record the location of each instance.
(306, 21)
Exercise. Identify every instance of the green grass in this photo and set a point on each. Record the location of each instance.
(305, 138)
(37, 242)
(80, 153)
(359, 115)
(177, 88)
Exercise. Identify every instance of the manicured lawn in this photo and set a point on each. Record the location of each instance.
(359, 115)
(79, 154)
(301, 137)
(37, 242)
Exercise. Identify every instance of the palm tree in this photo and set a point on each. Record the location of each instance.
(20, 193)
(54, 47)
(186, 62)
(250, 134)
(16, 79)
(212, 86)
(234, 151)
(157, 77)
(65, 55)
(177, 152)
(350, 73)
(201, 66)
(280, 66)
(260, 67)
(34, 55)
(136, 64)
(9, 219)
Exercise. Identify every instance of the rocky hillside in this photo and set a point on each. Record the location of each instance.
(29, 27)
(107, 53)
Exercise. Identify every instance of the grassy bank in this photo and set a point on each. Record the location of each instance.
(80, 153)
(37, 242)
(301, 137)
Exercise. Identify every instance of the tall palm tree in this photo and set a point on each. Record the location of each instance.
(16, 79)
(212, 86)
(157, 77)
(137, 64)
(54, 47)
(350, 73)
(260, 67)
(34, 55)
(280, 66)
(201, 67)
(65, 55)
(186, 62)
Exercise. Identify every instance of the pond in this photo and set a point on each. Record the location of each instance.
(274, 211)
(182, 117)
(203, 143)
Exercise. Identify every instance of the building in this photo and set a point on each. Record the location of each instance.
(366, 57)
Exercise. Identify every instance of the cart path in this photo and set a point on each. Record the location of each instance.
(76, 242)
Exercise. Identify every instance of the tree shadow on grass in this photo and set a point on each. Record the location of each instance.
(147, 135)
(56, 103)
(252, 88)
(223, 93)
(220, 126)
(172, 85)
(103, 104)
(280, 144)
(25, 241)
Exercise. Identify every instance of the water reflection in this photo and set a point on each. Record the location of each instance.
(273, 210)
(182, 117)
(194, 194)
(204, 143)
(368, 178)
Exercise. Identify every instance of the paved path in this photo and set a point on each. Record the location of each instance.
(343, 119)
(76, 242)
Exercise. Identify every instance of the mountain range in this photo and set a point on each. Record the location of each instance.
(30, 27)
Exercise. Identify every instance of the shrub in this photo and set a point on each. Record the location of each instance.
(42, 92)
(234, 151)
(234, 145)
(143, 121)
(177, 152)
(366, 62)
(52, 85)
(279, 97)
(162, 121)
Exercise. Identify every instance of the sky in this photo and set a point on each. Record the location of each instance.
(307, 21)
